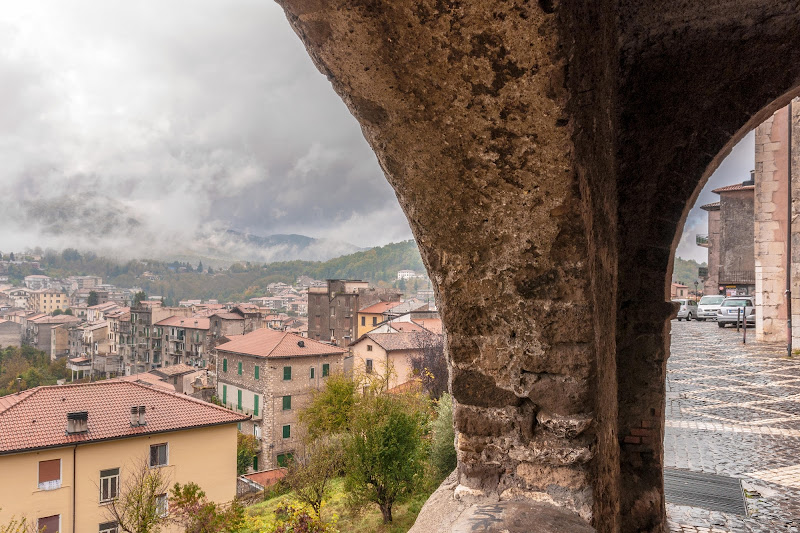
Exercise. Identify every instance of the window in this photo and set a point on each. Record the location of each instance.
(255, 463)
(374, 321)
(255, 404)
(224, 394)
(284, 459)
(50, 474)
(239, 399)
(258, 371)
(109, 485)
(50, 524)
(369, 366)
(287, 403)
(161, 505)
(225, 365)
(287, 431)
(287, 373)
(109, 527)
(158, 455)
(326, 368)
(257, 431)
(312, 373)
(363, 321)
(369, 347)
(240, 368)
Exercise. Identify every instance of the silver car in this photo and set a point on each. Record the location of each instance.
(688, 309)
(730, 308)
(708, 306)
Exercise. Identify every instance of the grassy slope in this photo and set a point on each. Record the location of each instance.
(351, 521)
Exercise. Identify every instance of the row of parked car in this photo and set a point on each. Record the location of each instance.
(723, 310)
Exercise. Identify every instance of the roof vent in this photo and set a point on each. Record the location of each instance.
(77, 422)
(301, 344)
(137, 416)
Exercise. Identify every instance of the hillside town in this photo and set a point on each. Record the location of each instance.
(136, 368)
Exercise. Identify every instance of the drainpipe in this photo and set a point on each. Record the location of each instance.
(74, 470)
(789, 237)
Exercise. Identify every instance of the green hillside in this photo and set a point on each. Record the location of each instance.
(685, 271)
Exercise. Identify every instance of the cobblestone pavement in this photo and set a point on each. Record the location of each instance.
(734, 410)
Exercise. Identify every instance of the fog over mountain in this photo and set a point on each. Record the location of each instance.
(143, 128)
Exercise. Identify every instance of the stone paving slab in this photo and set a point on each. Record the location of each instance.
(734, 410)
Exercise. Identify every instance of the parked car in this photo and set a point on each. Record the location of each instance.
(688, 309)
(730, 308)
(708, 306)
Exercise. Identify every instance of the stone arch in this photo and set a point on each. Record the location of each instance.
(546, 155)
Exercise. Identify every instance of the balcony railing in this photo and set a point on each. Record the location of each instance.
(702, 240)
(736, 277)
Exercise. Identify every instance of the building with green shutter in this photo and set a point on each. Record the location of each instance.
(271, 375)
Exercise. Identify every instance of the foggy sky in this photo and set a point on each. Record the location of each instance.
(133, 127)
(141, 123)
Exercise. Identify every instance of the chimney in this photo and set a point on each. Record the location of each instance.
(752, 180)
(137, 416)
(77, 422)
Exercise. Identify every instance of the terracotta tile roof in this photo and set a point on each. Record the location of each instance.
(148, 379)
(228, 316)
(270, 343)
(413, 385)
(736, 187)
(58, 319)
(406, 326)
(39, 419)
(267, 478)
(79, 360)
(174, 370)
(713, 206)
(407, 340)
(434, 325)
(186, 322)
(380, 307)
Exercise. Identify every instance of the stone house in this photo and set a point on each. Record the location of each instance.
(226, 324)
(185, 340)
(678, 290)
(10, 333)
(271, 376)
(382, 353)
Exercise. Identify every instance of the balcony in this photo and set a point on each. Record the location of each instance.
(702, 240)
(736, 277)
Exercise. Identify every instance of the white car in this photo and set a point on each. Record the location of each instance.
(708, 307)
(688, 309)
(731, 307)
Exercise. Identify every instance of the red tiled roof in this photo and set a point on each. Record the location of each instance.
(736, 187)
(713, 206)
(270, 343)
(434, 325)
(406, 340)
(229, 316)
(175, 370)
(406, 326)
(267, 478)
(380, 307)
(58, 319)
(186, 322)
(39, 419)
(148, 379)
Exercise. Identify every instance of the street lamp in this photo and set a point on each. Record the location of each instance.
(695, 290)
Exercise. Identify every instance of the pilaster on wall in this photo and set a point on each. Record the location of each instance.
(771, 219)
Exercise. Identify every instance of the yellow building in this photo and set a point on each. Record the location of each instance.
(71, 449)
(48, 300)
(369, 317)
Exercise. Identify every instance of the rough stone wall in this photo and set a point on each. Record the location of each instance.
(558, 142)
(771, 219)
(795, 188)
(736, 235)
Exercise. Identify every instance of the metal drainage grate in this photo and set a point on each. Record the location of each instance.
(707, 491)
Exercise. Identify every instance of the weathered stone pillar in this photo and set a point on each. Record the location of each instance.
(546, 154)
(770, 209)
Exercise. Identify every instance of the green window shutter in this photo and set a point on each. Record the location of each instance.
(282, 461)
(224, 365)
(240, 368)
(312, 372)
(255, 463)
(287, 403)
(287, 373)
(255, 404)
(239, 399)
(287, 431)
(224, 394)
(326, 369)
(257, 371)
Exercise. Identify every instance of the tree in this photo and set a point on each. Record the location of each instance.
(431, 365)
(93, 299)
(385, 450)
(443, 450)
(68, 312)
(246, 448)
(11, 257)
(138, 298)
(58, 312)
(200, 267)
(190, 509)
(329, 410)
(19, 525)
(310, 473)
(141, 506)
